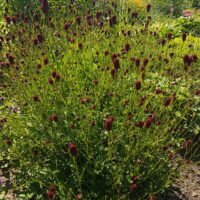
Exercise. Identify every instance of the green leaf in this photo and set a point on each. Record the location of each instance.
(178, 114)
(2, 195)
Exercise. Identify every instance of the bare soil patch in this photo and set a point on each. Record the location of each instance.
(187, 187)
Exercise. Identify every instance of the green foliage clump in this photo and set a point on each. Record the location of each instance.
(94, 103)
(172, 7)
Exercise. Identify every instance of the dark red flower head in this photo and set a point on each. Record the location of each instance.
(158, 122)
(148, 7)
(197, 92)
(36, 18)
(11, 59)
(133, 187)
(36, 98)
(130, 116)
(137, 62)
(187, 143)
(72, 126)
(145, 62)
(132, 59)
(114, 56)
(44, 6)
(152, 197)
(8, 19)
(39, 66)
(113, 20)
(35, 42)
(92, 123)
(54, 74)
(138, 85)
(127, 47)
(113, 72)
(106, 52)
(98, 14)
(80, 45)
(108, 122)
(162, 42)
(169, 36)
(116, 63)
(8, 142)
(73, 149)
(165, 147)
(50, 195)
(184, 36)
(66, 26)
(50, 81)
(58, 77)
(85, 100)
(14, 19)
(101, 24)
(171, 155)
(52, 188)
(194, 58)
(95, 82)
(1, 38)
(134, 178)
(46, 61)
(186, 59)
(53, 118)
(189, 59)
(40, 38)
(78, 20)
(134, 14)
(148, 122)
(188, 162)
(89, 17)
(168, 101)
(79, 196)
(171, 54)
(139, 124)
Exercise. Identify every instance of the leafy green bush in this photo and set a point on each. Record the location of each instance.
(23, 6)
(195, 4)
(92, 110)
(31, 6)
(191, 25)
(179, 25)
(172, 7)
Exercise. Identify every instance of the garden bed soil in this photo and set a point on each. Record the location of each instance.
(187, 187)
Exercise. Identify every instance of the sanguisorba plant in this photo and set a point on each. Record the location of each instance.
(94, 104)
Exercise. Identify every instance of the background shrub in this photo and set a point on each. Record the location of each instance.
(172, 7)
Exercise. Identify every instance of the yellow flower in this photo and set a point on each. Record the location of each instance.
(138, 3)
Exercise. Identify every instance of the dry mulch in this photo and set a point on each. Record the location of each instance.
(187, 187)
